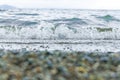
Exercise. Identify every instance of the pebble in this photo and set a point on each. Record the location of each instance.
(58, 65)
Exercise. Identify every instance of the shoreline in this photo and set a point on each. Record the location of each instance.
(62, 45)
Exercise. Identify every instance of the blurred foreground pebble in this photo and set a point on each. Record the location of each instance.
(58, 65)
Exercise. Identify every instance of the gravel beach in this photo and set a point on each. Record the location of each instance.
(58, 65)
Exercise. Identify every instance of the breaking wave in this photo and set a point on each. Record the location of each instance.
(59, 24)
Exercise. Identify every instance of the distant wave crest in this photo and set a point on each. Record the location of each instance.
(16, 22)
(27, 14)
(108, 18)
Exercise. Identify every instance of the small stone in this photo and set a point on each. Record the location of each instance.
(81, 69)
(37, 70)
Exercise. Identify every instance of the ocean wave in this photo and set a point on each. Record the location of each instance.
(62, 32)
(59, 24)
(69, 21)
(108, 18)
(27, 14)
(16, 22)
(27, 23)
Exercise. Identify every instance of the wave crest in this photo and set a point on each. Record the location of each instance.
(108, 18)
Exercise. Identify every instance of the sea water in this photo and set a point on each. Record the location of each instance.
(60, 29)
